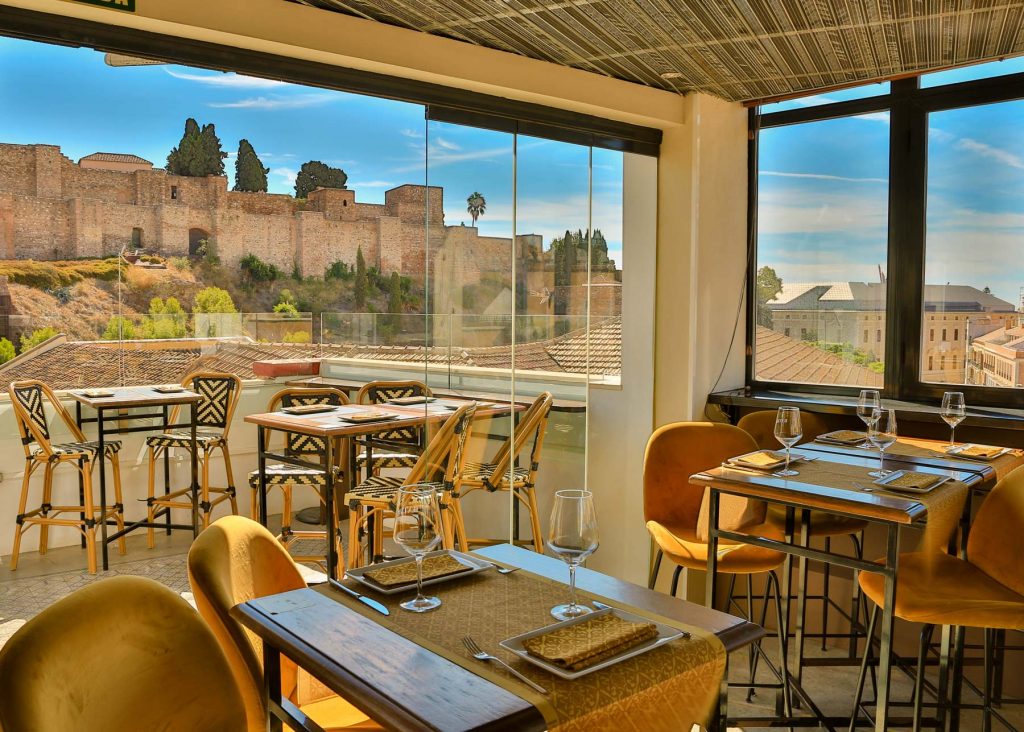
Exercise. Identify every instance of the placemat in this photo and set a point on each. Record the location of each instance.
(668, 688)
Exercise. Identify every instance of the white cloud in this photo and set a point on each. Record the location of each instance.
(371, 184)
(286, 175)
(230, 80)
(271, 103)
(989, 151)
(822, 176)
(938, 135)
(444, 144)
(806, 212)
(411, 133)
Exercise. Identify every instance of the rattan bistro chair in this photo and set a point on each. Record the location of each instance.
(123, 653)
(441, 463)
(399, 448)
(29, 399)
(502, 474)
(286, 477)
(220, 393)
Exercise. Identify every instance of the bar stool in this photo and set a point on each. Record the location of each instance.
(220, 393)
(401, 447)
(984, 591)
(441, 464)
(29, 399)
(503, 475)
(286, 477)
(672, 510)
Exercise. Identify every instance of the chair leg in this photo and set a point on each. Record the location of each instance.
(675, 579)
(787, 703)
(764, 617)
(90, 528)
(538, 539)
(150, 533)
(231, 478)
(286, 510)
(922, 654)
(653, 579)
(115, 469)
(19, 528)
(751, 652)
(460, 525)
(863, 669)
(986, 718)
(204, 490)
(855, 597)
(377, 550)
(355, 518)
(826, 576)
(44, 529)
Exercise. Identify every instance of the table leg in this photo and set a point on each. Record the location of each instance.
(167, 470)
(103, 487)
(272, 686)
(721, 721)
(783, 704)
(888, 626)
(261, 459)
(945, 646)
(801, 602)
(332, 529)
(81, 482)
(193, 416)
(712, 581)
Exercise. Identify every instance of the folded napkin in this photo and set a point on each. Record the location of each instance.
(405, 573)
(578, 646)
(760, 459)
(367, 416)
(980, 451)
(843, 437)
(912, 480)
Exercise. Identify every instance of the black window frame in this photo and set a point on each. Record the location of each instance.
(909, 107)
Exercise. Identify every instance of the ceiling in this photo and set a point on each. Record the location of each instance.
(740, 50)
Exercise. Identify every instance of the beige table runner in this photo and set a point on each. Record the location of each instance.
(669, 688)
(918, 447)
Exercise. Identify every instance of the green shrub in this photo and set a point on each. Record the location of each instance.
(286, 309)
(256, 270)
(119, 327)
(298, 336)
(6, 350)
(182, 264)
(339, 271)
(213, 300)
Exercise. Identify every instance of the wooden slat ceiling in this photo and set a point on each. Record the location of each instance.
(740, 50)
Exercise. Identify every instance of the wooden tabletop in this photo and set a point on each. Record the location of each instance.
(403, 686)
(330, 424)
(135, 396)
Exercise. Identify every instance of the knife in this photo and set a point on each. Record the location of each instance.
(368, 601)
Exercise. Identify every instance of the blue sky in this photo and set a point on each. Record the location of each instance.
(69, 97)
(823, 190)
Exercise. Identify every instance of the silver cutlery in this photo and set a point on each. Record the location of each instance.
(505, 570)
(482, 655)
(368, 601)
(878, 489)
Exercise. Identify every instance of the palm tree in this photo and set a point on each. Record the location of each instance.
(476, 205)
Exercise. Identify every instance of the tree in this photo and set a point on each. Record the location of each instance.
(118, 328)
(476, 205)
(36, 337)
(767, 286)
(6, 350)
(362, 283)
(198, 154)
(211, 153)
(181, 159)
(166, 319)
(395, 300)
(286, 309)
(314, 174)
(213, 300)
(250, 175)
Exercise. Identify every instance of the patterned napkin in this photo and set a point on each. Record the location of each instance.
(576, 647)
(405, 573)
(912, 480)
(843, 437)
(980, 451)
(760, 459)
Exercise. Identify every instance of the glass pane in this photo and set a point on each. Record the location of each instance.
(973, 72)
(821, 251)
(839, 95)
(973, 286)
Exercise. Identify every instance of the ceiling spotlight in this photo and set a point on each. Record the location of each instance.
(671, 75)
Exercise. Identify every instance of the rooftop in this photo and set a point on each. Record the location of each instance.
(870, 296)
(780, 358)
(104, 157)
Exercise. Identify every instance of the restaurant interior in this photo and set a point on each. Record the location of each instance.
(511, 365)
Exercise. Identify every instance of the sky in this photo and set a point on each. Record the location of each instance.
(823, 193)
(70, 98)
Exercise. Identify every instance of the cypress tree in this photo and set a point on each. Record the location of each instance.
(361, 284)
(250, 175)
(210, 158)
(180, 157)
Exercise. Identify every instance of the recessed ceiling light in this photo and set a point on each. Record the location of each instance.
(671, 75)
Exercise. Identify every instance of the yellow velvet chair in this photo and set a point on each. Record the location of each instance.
(672, 507)
(984, 591)
(236, 560)
(761, 426)
(123, 653)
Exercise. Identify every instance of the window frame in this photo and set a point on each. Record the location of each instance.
(909, 107)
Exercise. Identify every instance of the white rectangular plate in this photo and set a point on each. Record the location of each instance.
(666, 634)
(97, 393)
(739, 462)
(828, 439)
(897, 473)
(956, 450)
(476, 565)
(301, 409)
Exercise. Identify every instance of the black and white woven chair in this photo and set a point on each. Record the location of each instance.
(399, 448)
(220, 393)
(29, 399)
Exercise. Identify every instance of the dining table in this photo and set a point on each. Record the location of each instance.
(333, 427)
(836, 479)
(409, 671)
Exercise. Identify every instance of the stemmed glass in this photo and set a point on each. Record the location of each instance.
(418, 530)
(788, 431)
(954, 410)
(882, 433)
(573, 537)
(868, 401)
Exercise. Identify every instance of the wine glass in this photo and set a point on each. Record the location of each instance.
(882, 433)
(868, 401)
(573, 537)
(418, 530)
(788, 431)
(954, 410)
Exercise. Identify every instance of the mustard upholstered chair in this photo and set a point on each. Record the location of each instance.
(220, 393)
(761, 426)
(984, 591)
(494, 476)
(123, 653)
(286, 477)
(236, 560)
(672, 507)
(441, 463)
(29, 400)
(399, 448)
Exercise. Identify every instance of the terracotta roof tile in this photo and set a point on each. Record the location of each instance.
(780, 358)
(102, 157)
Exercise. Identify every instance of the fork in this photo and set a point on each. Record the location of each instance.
(505, 570)
(482, 655)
